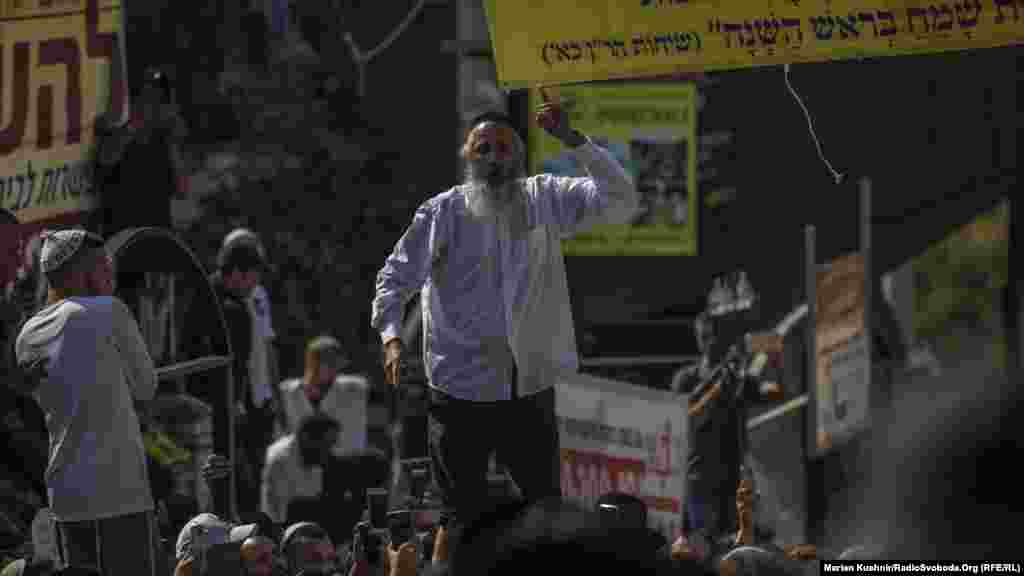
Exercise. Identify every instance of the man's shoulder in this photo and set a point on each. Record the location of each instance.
(280, 449)
(443, 201)
(291, 385)
(53, 319)
(351, 383)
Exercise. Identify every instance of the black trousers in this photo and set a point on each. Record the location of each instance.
(122, 545)
(522, 433)
(255, 433)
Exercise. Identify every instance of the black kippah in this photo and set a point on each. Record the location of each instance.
(496, 118)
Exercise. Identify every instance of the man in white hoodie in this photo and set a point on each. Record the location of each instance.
(86, 364)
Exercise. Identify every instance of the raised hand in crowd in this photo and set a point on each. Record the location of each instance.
(215, 468)
(393, 361)
(801, 552)
(745, 513)
(401, 561)
(440, 555)
(683, 550)
(552, 117)
(698, 406)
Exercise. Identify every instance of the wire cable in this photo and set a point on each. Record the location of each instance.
(810, 124)
(364, 57)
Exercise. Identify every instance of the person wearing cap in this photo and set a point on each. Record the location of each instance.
(140, 165)
(486, 259)
(240, 270)
(211, 530)
(323, 389)
(86, 364)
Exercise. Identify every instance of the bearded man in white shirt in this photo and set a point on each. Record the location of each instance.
(486, 259)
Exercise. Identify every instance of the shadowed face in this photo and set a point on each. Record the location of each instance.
(494, 164)
(494, 154)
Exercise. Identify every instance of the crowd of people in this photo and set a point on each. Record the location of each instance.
(484, 258)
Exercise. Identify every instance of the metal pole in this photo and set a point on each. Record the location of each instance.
(460, 78)
(811, 380)
(1014, 309)
(811, 279)
(232, 456)
(869, 291)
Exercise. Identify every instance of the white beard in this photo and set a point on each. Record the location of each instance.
(486, 201)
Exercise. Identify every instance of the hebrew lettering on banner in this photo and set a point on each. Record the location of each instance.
(48, 70)
(788, 31)
(1001, 5)
(760, 32)
(941, 17)
(648, 45)
(963, 9)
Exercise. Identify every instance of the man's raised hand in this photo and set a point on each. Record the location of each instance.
(551, 116)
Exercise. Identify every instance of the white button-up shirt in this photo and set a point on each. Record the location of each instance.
(493, 290)
(347, 401)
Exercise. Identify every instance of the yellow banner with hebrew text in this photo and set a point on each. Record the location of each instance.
(62, 67)
(543, 42)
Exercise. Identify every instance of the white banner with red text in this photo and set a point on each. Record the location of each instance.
(617, 437)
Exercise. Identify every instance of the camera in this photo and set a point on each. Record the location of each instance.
(400, 527)
(419, 475)
(377, 503)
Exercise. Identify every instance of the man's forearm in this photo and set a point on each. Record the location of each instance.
(611, 182)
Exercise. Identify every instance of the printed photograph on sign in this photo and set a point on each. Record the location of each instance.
(651, 130)
(843, 364)
(660, 172)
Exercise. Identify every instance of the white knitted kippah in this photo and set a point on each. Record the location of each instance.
(58, 247)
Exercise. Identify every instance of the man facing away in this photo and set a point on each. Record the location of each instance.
(87, 365)
(486, 259)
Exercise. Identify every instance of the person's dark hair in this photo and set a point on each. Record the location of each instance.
(83, 260)
(317, 426)
(553, 532)
(265, 523)
(241, 257)
(752, 561)
(626, 502)
(157, 78)
(496, 118)
(78, 571)
(311, 433)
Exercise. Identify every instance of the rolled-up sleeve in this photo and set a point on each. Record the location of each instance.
(404, 271)
(606, 196)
